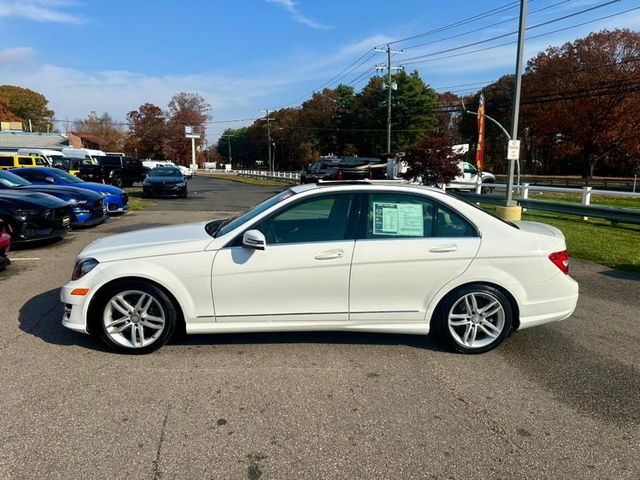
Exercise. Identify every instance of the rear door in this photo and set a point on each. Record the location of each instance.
(408, 247)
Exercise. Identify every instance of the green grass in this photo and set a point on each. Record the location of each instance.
(136, 199)
(251, 180)
(596, 240)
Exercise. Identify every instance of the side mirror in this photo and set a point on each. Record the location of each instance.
(49, 179)
(254, 239)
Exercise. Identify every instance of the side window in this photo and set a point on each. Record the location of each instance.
(318, 219)
(468, 168)
(6, 161)
(397, 215)
(25, 161)
(452, 224)
(29, 176)
(39, 161)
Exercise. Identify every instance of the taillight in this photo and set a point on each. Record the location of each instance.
(340, 175)
(561, 260)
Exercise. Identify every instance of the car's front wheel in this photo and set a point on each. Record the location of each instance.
(136, 317)
(473, 319)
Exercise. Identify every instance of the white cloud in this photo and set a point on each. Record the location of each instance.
(50, 11)
(12, 56)
(292, 7)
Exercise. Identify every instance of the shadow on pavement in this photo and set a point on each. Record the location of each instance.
(621, 274)
(41, 316)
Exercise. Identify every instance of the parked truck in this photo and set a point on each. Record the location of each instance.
(115, 170)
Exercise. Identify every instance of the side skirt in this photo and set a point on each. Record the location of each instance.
(410, 328)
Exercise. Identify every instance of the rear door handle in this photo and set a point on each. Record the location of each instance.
(444, 248)
(330, 255)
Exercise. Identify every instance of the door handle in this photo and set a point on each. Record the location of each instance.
(331, 255)
(444, 248)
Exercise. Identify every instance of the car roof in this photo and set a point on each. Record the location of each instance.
(364, 184)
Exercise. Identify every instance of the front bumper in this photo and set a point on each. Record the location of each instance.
(38, 228)
(117, 203)
(164, 191)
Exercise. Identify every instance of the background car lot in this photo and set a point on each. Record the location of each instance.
(559, 401)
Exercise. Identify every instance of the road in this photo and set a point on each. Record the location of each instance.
(558, 401)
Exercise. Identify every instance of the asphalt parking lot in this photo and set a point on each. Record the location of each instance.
(557, 401)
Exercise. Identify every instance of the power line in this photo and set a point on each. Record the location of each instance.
(484, 27)
(514, 42)
(465, 21)
(497, 37)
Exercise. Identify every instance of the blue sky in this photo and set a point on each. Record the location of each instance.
(246, 55)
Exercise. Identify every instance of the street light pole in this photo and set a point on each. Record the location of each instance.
(269, 139)
(516, 96)
(228, 137)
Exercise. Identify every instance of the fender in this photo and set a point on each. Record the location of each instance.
(145, 270)
(478, 274)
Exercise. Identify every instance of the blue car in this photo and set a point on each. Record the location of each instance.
(115, 199)
(85, 208)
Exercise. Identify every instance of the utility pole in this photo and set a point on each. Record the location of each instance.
(229, 137)
(389, 69)
(269, 120)
(516, 97)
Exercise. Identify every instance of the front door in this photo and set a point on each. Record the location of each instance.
(409, 248)
(304, 272)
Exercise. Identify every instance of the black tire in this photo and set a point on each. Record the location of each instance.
(487, 187)
(128, 183)
(117, 181)
(440, 320)
(104, 297)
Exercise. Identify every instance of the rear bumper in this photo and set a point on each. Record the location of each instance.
(550, 301)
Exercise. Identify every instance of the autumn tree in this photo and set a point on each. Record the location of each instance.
(432, 161)
(105, 127)
(582, 101)
(25, 104)
(147, 132)
(185, 109)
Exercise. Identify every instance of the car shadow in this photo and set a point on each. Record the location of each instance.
(41, 316)
(622, 274)
(35, 244)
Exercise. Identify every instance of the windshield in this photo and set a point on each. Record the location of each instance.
(234, 222)
(67, 177)
(165, 172)
(11, 180)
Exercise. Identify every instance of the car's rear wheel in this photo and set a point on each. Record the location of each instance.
(136, 317)
(473, 319)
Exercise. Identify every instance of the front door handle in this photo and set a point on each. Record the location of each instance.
(444, 248)
(330, 255)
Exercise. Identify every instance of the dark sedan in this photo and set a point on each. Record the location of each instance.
(32, 216)
(86, 208)
(164, 182)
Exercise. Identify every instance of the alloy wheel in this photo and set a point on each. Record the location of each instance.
(476, 320)
(134, 319)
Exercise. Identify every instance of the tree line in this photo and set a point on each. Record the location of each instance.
(579, 115)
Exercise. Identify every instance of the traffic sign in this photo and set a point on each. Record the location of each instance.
(513, 150)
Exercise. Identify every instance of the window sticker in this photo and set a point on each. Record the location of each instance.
(398, 219)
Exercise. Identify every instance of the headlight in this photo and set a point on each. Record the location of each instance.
(83, 267)
(180, 184)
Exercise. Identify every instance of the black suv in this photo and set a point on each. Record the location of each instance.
(115, 170)
(344, 168)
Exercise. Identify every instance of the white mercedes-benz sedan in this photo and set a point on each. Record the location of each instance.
(354, 256)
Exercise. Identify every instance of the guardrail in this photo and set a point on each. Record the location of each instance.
(584, 209)
(286, 176)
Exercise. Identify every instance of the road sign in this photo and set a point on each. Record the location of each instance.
(513, 150)
(190, 132)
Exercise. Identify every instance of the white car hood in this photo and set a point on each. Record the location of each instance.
(150, 242)
(541, 228)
